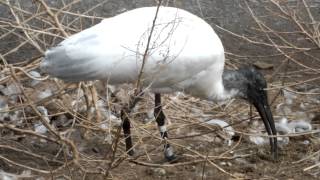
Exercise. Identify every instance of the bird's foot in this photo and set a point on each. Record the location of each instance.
(130, 152)
(170, 155)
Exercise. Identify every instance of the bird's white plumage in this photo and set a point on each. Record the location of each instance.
(185, 53)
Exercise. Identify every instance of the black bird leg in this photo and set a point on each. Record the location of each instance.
(160, 119)
(127, 132)
(126, 122)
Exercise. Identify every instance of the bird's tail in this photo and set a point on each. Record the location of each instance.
(58, 63)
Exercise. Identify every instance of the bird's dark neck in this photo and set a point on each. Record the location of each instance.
(233, 81)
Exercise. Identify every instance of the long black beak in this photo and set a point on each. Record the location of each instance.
(266, 115)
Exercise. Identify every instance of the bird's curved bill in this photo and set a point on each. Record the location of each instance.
(263, 108)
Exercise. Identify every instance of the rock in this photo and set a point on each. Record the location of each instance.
(157, 172)
(306, 142)
(34, 82)
(11, 89)
(258, 140)
(227, 129)
(150, 116)
(283, 109)
(316, 119)
(3, 107)
(240, 175)
(104, 125)
(44, 94)
(300, 126)
(40, 128)
(289, 97)
(61, 121)
(108, 139)
(263, 65)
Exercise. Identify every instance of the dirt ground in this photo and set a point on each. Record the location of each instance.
(204, 151)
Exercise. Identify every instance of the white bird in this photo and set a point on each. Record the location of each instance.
(185, 54)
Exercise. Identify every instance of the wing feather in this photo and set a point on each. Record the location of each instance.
(182, 46)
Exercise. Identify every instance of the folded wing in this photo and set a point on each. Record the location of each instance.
(181, 46)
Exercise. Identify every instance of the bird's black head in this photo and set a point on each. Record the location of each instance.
(251, 85)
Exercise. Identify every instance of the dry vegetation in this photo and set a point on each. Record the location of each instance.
(50, 129)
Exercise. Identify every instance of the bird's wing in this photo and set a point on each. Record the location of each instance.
(181, 46)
